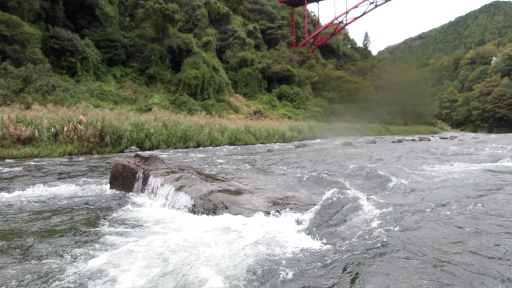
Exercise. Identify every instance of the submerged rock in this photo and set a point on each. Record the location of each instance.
(200, 191)
(424, 139)
(301, 145)
(448, 137)
(131, 149)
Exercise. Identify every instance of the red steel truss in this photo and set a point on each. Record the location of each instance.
(335, 26)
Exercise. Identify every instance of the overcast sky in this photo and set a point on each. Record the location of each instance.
(399, 19)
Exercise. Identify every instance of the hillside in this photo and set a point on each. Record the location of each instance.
(465, 33)
(463, 70)
(192, 56)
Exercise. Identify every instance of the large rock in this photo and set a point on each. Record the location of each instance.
(209, 192)
(124, 173)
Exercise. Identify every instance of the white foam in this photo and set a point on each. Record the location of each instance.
(458, 166)
(197, 155)
(506, 161)
(165, 195)
(369, 212)
(394, 181)
(285, 274)
(366, 219)
(172, 248)
(58, 190)
(308, 215)
(3, 170)
(160, 246)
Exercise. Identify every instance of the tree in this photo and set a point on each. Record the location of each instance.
(69, 54)
(365, 50)
(159, 17)
(19, 43)
(366, 41)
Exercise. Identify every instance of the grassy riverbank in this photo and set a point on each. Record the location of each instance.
(56, 131)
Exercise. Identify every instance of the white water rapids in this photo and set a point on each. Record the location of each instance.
(414, 214)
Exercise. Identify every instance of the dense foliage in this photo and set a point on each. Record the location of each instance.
(223, 57)
(463, 70)
(188, 56)
(465, 33)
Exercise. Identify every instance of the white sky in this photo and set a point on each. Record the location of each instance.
(399, 19)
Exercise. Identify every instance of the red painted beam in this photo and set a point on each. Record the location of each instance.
(343, 20)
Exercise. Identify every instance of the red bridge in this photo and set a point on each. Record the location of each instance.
(335, 26)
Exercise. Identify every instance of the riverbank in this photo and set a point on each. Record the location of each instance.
(56, 131)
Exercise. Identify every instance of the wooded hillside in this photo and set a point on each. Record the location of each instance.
(465, 68)
(189, 56)
(225, 57)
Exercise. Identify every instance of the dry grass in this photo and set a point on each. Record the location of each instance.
(83, 129)
(123, 115)
(18, 132)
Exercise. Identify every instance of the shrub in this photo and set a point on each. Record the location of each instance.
(71, 55)
(290, 94)
(185, 103)
(202, 78)
(19, 44)
(38, 82)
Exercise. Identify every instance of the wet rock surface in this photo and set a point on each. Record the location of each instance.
(124, 173)
(301, 145)
(211, 193)
(131, 149)
(215, 191)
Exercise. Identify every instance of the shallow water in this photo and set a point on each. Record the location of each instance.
(413, 214)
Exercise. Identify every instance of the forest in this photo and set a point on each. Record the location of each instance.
(466, 67)
(228, 57)
(183, 56)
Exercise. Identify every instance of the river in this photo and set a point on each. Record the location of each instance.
(411, 214)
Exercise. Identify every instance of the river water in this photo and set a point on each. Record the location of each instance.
(412, 214)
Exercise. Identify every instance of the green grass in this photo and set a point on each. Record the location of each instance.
(57, 131)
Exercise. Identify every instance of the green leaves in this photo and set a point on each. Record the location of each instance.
(202, 77)
(19, 43)
(183, 55)
(467, 32)
(71, 55)
(290, 94)
(483, 101)
(502, 64)
(159, 17)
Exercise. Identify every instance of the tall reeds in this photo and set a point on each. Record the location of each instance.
(56, 131)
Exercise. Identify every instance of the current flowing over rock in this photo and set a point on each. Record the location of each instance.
(200, 191)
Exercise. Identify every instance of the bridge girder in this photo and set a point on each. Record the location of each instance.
(337, 24)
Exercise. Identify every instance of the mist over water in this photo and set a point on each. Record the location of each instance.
(412, 214)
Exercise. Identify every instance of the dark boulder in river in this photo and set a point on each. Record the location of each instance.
(131, 149)
(301, 145)
(203, 192)
(125, 172)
